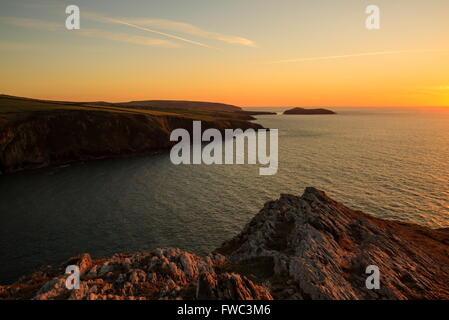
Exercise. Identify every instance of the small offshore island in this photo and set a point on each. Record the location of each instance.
(297, 247)
(305, 111)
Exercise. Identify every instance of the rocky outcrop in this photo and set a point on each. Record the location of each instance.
(308, 111)
(158, 274)
(42, 139)
(297, 247)
(321, 249)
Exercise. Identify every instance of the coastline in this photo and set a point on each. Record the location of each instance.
(296, 247)
(40, 137)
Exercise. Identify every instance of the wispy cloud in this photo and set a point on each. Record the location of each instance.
(190, 29)
(159, 33)
(88, 32)
(345, 56)
(127, 38)
(435, 90)
(16, 46)
(162, 27)
(442, 88)
(170, 27)
(32, 23)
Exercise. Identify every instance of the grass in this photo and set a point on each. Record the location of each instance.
(12, 108)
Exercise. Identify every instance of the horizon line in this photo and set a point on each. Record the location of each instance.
(215, 101)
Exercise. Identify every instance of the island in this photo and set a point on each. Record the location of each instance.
(297, 247)
(305, 111)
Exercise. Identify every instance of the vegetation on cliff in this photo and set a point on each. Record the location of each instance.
(39, 133)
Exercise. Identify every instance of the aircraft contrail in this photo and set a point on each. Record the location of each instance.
(159, 32)
(379, 53)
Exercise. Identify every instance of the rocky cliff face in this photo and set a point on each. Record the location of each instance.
(297, 247)
(322, 249)
(58, 137)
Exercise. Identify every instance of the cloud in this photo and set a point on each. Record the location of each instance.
(127, 38)
(159, 33)
(442, 88)
(155, 25)
(16, 46)
(32, 23)
(186, 28)
(94, 33)
(436, 90)
(379, 53)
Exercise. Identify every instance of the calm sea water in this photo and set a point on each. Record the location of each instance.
(392, 163)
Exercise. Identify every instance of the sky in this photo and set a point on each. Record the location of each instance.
(242, 52)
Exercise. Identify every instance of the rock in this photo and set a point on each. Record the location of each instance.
(83, 261)
(187, 265)
(152, 277)
(325, 247)
(106, 268)
(93, 271)
(297, 247)
(229, 286)
(137, 276)
(53, 289)
(121, 278)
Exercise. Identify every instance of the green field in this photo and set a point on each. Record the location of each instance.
(13, 108)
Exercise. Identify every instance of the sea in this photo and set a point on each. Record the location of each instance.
(392, 163)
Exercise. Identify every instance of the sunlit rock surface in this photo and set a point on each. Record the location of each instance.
(297, 247)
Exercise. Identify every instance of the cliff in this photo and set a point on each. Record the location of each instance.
(37, 133)
(308, 111)
(297, 247)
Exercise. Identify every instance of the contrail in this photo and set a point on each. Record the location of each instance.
(355, 55)
(159, 32)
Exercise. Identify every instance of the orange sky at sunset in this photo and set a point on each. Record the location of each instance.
(239, 52)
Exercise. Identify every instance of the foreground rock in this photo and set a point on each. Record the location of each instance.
(307, 247)
(308, 111)
(159, 274)
(320, 249)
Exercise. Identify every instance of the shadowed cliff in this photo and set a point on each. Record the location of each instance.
(38, 133)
